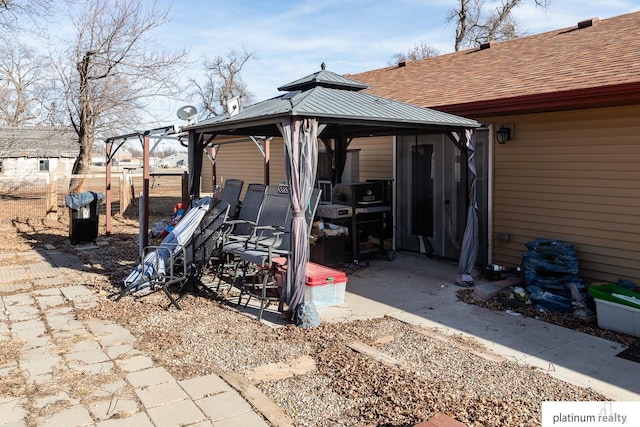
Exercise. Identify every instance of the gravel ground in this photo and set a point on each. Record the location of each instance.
(404, 376)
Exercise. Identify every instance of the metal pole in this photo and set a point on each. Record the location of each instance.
(267, 159)
(144, 221)
(107, 157)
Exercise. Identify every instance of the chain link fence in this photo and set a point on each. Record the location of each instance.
(23, 198)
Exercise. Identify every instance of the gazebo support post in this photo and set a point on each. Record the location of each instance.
(146, 174)
(108, 148)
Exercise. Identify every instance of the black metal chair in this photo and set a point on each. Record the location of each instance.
(231, 194)
(239, 230)
(271, 242)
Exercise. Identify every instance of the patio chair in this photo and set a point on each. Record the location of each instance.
(266, 254)
(182, 254)
(240, 228)
(274, 213)
(231, 194)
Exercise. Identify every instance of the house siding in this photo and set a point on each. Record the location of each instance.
(241, 160)
(28, 168)
(376, 157)
(572, 176)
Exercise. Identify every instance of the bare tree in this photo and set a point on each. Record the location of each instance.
(22, 76)
(222, 82)
(476, 25)
(115, 67)
(19, 14)
(419, 51)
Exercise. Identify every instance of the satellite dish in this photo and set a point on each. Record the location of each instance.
(187, 112)
(233, 106)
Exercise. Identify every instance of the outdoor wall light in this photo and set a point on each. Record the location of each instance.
(504, 134)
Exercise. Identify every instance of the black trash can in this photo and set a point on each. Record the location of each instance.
(83, 222)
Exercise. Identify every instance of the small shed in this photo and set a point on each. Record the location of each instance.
(27, 153)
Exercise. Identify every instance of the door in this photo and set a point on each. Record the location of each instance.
(431, 202)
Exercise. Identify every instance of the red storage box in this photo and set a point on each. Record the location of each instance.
(324, 286)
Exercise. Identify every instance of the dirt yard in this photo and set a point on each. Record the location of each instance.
(375, 372)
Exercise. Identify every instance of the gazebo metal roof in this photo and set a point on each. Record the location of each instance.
(338, 103)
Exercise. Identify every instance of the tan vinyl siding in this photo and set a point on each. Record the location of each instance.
(376, 157)
(573, 176)
(240, 160)
(276, 165)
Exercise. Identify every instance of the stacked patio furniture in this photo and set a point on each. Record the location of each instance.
(181, 258)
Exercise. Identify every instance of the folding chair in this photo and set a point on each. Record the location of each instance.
(231, 194)
(180, 255)
(261, 252)
(240, 228)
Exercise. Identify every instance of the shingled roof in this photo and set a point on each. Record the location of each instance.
(38, 142)
(593, 63)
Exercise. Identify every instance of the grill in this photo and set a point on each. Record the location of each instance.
(369, 207)
(360, 195)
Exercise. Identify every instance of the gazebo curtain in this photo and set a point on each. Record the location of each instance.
(469, 247)
(300, 137)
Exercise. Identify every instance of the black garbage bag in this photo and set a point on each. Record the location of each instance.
(78, 200)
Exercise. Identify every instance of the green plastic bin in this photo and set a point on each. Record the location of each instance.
(606, 292)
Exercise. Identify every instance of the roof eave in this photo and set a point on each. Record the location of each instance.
(603, 96)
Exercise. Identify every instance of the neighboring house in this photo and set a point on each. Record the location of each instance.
(27, 153)
(570, 171)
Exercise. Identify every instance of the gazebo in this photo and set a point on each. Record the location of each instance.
(334, 109)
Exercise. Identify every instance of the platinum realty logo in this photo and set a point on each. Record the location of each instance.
(590, 414)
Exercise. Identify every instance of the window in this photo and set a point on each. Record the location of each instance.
(43, 165)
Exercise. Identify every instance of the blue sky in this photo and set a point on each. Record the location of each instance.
(291, 39)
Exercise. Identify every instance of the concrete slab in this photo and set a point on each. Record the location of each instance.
(41, 270)
(36, 342)
(148, 377)
(46, 292)
(93, 368)
(117, 388)
(61, 397)
(139, 419)
(223, 405)
(49, 301)
(20, 286)
(182, 412)
(51, 282)
(122, 351)
(17, 299)
(86, 357)
(22, 313)
(12, 410)
(39, 353)
(64, 323)
(11, 275)
(36, 332)
(77, 294)
(113, 408)
(40, 367)
(120, 338)
(207, 385)
(160, 394)
(245, 419)
(135, 363)
(76, 415)
(101, 327)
